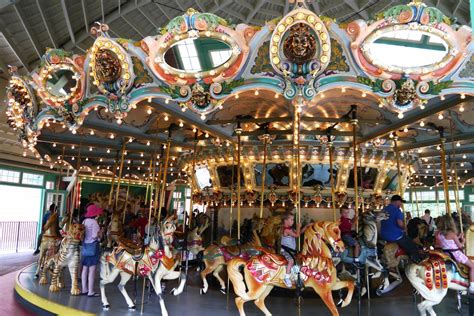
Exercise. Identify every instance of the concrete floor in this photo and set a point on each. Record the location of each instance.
(190, 303)
(15, 261)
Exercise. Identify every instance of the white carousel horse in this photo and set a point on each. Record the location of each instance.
(429, 279)
(368, 242)
(152, 263)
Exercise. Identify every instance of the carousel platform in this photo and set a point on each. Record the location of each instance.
(39, 300)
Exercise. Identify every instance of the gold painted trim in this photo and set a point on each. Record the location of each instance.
(43, 303)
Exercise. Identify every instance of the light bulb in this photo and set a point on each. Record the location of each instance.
(440, 116)
(458, 144)
(461, 109)
(236, 96)
(256, 92)
(464, 156)
(92, 132)
(148, 111)
(405, 129)
(72, 147)
(90, 148)
(422, 123)
(54, 144)
(400, 115)
(108, 150)
(166, 118)
(463, 96)
(203, 117)
(364, 94)
(148, 143)
(181, 124)
(277, 95)
(112, 136)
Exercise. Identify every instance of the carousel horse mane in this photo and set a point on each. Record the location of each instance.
(317, 235)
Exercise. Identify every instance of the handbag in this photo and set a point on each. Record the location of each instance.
(89, 249)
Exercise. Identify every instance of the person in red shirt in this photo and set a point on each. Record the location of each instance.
(345, 226)
(139, 224)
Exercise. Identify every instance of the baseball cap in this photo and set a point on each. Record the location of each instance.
(397, 197)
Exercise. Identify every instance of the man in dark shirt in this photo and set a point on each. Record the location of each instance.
(51, 210)
(393, 229)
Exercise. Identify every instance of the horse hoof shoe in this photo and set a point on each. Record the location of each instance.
(132, 308)
(223, 291)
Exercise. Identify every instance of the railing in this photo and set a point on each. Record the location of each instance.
(17, 236)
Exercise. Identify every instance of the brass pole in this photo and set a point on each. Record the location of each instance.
(264, 171)
(232, 192)
(445, 177)
(399, 174)
(416, 201)
(120, 175)
(362, 207)
(436, 194)
(238, 131)
(193, 176)
(296, 164)
(331, 178)
(113, 177)
(78, 169)
(158, 185)
(356, 184)
(165, 172)
(454, 172)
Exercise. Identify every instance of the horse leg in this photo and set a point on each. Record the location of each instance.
(218, 277)
(350, 290)
(260, 302)
(124, 277)
(324, 291)
(203, 274)
(173, 275)
(239, 302)
(108, 279)
(158, 277)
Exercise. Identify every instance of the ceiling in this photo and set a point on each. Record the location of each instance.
(27, 28)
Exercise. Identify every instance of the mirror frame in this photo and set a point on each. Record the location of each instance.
(413, 16)
(194, 24)
(55, 60)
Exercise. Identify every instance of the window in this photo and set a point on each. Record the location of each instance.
(32, 179)
(220, 56)
(49, 185)
(9, 176)
(451, 195)
(471, 197)
(189, 56)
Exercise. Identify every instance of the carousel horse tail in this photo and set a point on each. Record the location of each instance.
(233, 270)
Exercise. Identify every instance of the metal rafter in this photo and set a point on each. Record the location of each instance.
(68, 22)
(254, 11)
(449, 152)
(415, 116)
(435, 141)
(27, 30)
(46, 24)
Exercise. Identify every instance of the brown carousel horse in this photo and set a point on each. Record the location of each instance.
(215, 256)
(393, 254)
(152, 262)
(68, 255)
(317, 271)
(49, 243)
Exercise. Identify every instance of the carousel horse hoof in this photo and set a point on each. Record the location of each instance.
(54, 288)
(340, 302)
(173, 290)
(75, 291)
(223, 291)
(43, 281)
(363, 291)
(202, 292)
(106, 307)
(132, 308)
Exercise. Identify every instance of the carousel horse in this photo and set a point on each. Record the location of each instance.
(393, 254)
(434, 276)
(215, 256)
(115, 228)
(470, 242)
(316, 270)
(194, 237)
(49, 243)
(368, 242)
(68, 255)
(153, 262)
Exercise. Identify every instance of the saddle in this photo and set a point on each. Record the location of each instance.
(462, 269)
(130, 246)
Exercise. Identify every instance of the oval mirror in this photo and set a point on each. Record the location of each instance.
(61, 83)
(198, 54)
(405, 50)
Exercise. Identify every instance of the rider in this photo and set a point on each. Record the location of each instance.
(449, 240)
(393, 229)
(345, 227)
(52, 209)
(288, 243)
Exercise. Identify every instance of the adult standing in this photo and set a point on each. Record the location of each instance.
(429, 221)
(393, 229)
(90, 249)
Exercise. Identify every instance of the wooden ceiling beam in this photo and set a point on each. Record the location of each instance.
(436, 140)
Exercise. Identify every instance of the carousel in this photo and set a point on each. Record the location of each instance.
(218, 130)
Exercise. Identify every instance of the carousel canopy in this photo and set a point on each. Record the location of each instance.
(130, 81)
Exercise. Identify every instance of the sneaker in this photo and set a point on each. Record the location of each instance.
(287, 281)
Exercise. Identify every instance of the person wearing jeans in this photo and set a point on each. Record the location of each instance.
(393, 229)
(90, 249)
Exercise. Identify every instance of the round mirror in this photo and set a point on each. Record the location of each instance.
(61, 83)
(198, 54)
(405, 50)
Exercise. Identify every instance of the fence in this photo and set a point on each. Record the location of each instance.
(17, 236)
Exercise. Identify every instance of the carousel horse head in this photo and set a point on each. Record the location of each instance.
(320, 233)
(369, 230)
(258, 223)
(168, 227)
(194, 238)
